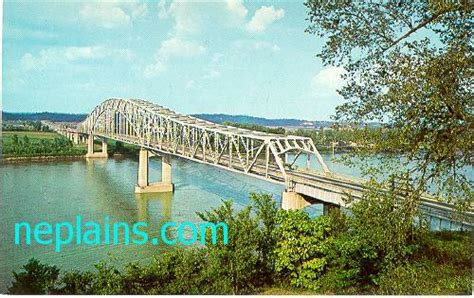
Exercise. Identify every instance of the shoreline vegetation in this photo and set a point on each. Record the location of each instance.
(36, 158)
(271, 251)
(37, 146)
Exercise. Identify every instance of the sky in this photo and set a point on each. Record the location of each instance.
(231, 56)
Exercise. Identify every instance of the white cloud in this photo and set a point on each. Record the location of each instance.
(76, 53)
(237, 7)
(193, 17)
(12, 32)
(105, 15)
(111, 14)
(187, 19)
(322, 94)
(162, 11)
(176, 47)
(263, 18)
(154, 69)
(172, 48)
(191, 84)
(256, 45)
(328, 80)
(62, 55)
(139, 10)
(191, 20)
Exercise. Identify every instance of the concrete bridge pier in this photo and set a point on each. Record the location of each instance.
(76, 138)
(143, 184)
(291, 200)
(90, 148)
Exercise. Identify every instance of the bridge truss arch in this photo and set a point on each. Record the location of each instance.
(164, 131)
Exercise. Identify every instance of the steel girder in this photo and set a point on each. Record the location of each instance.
(157, 128)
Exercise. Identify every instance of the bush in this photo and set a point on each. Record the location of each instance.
(425, 277)
(333, 253)
(246, 262)
(299, 251)
(36, 279)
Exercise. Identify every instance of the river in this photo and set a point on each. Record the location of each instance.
(60, 190)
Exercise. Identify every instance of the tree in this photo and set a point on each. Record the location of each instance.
(409, 65)
(37, 278)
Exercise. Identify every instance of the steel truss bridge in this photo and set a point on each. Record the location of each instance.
(258, 154)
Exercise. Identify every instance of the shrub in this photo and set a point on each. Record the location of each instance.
(36, 279)
(300, 248)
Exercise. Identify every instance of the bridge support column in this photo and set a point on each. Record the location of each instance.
(90, 148)
(291, 200)
(143, 186)
(76, 138)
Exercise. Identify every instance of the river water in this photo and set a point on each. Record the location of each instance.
(59, 191)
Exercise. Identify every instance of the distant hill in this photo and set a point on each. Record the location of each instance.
(58, 117)
(216, 118)
(243, 119)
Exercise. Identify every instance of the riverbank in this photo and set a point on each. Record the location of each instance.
(13, 159)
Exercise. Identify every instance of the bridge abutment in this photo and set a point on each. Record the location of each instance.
(90, 148)
(291, 200)
(143, 185)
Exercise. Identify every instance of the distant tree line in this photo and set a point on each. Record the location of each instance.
(56, 117)
(349, 138)
(26, 126)
(256, 127)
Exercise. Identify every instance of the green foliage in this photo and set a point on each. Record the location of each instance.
(26, 126)
(31, 146)
(409, 64)
(340, 251)
(372, 250)
(300, 247)
(76, 282)
(248, 254)
(442, 265)
(119, 147)
(425, 278)
(36, 279)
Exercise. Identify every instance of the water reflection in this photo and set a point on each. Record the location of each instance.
(164, 201)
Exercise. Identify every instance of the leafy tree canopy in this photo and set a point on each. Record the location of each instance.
(408, 64)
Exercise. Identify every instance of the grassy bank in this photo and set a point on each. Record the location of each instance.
(34, 145)
(7, 136)
(39, 145)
